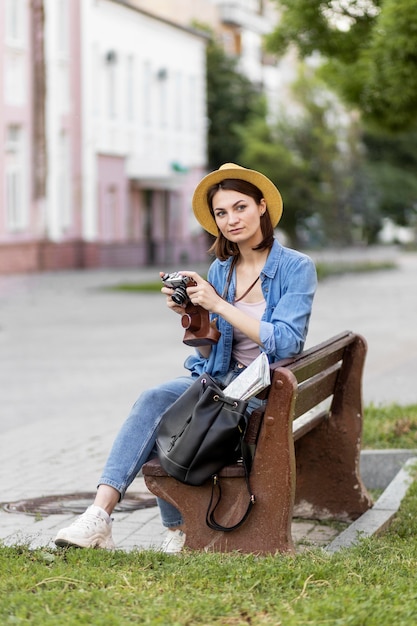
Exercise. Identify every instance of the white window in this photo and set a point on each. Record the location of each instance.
(15, 21)
(130, 88)
(64, 182)
(14, 78)
(62, 30)
(96, 81)
(147, 94)
(111, 81)
(178, 109)
(15, 174)
(62, 46)
(162, 90)
(192, 102)
(15, 24)
(109, 213)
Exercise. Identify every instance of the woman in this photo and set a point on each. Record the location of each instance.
(259, 294)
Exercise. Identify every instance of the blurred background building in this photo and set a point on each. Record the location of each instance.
(104, 126)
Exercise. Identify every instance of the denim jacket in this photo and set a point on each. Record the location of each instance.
(288, 282)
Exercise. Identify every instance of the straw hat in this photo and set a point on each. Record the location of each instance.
(231, 170)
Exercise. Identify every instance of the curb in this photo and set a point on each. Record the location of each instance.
(379, 467)
(377, 519)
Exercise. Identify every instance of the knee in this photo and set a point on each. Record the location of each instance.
(148, 397)
(158, 399)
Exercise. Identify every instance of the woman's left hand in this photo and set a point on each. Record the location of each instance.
(201, 292)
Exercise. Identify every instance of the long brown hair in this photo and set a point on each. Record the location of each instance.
(222, 247)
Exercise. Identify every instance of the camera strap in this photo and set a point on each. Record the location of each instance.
(229, 279)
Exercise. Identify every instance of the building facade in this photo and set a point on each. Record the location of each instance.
(104, 136)
(240, 26)
(103, 125)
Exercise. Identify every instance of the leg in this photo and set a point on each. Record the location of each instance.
(132, 447)
(136, 439)
(107, 498)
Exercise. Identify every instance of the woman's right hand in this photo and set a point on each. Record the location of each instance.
(177, 308)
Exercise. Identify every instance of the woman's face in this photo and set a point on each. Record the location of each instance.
(238, 216)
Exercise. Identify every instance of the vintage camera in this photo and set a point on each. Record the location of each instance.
(199, 331)
(178, 282)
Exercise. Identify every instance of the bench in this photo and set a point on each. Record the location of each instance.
(306, 456)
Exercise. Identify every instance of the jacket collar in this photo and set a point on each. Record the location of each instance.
(271, 266)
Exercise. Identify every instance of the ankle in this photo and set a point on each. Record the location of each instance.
(95, 508)
(107, 498)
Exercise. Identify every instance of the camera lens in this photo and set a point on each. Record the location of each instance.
(179, 296)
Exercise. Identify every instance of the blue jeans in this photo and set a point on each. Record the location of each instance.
(135, 442)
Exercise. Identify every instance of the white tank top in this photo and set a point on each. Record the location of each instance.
(244, 349)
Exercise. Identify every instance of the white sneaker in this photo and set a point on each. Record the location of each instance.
(91, 530)
(174, 541)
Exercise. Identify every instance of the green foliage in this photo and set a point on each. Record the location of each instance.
(232, 100)
(313, 26)
(391, 166)
(390, 93)
(314, 161)
(369, 51)
(392, 426)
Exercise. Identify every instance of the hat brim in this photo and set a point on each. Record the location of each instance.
(269, 191)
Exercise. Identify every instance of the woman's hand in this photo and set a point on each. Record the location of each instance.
(201, 292)
(177, 308)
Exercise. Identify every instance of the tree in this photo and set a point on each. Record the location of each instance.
(316, 163)
(231, 101)
(369, 52)
(392, 164)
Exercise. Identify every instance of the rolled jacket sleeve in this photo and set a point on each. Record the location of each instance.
(289, 301)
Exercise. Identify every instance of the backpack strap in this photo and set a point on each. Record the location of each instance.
(216, 486)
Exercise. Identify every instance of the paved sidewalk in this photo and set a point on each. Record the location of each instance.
(74, 356)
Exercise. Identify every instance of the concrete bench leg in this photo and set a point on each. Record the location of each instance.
(327, 458)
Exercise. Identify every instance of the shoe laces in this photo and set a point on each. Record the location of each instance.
(88, 520)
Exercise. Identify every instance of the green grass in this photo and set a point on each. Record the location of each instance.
(371, 584)
(324, 270)
(137, 287)
(392, 426)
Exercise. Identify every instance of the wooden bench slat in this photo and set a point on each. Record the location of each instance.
(315, 390)
(342, 339)
(302, 425)
(307, 369)
(313, 361)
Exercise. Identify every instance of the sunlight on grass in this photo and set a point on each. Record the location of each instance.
(391, 426)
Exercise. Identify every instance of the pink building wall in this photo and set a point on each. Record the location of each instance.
(19, 115)
(143, 226)
(29, 249)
